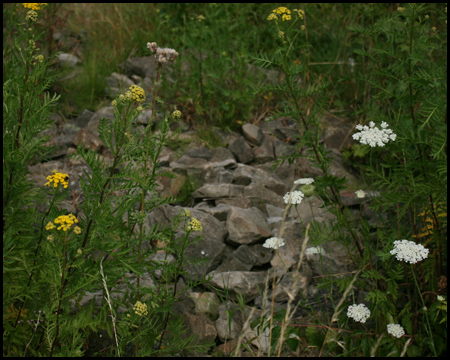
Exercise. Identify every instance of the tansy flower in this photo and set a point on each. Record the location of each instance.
(49, 226)
(77, 230)
(358, 313)
(195, 225)
(31, 15)
(300, 13)
(395, 330)
(65, 221)
(33, 6)
(137, 93)
(57, 178)
(176, 114)
(140, 308)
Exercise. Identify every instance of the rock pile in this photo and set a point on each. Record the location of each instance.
(239, 202)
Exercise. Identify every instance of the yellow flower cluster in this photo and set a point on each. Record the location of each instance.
(300, 13)
(57, 178)
(195, 225)
(430, 223)
(65, 222)
(176, 114)
(400, 9)
(33, 6)
(283, 11)
(140, 308)
(137, 93)
(187, 212)
(39, 58)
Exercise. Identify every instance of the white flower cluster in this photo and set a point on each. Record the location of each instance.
(294, 197)
(360, 194)
(315, 250)
(409, 251)
(304, 181)
(358, 313)
(373, 136)
(395, 330)
(274, 243)
(163, 55)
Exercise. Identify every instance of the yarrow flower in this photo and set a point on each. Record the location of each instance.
(315, 250)
(65, 221)
(57, 178)
(294, 197)
(274, 243)
(395, 330)
(409, 251)
(360, 194)
(358, 313)
(195, 225)
(140, 308)
(373, 136)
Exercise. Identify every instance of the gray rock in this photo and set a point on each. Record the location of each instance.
(253, 134)
(265, 153)
(199, 152)
(68, 60)
(246, 226)
(215, 191)
(241, 150)
(245, 175)
(198, 170)
(248, 284)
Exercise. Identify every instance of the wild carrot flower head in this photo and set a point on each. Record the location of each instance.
(395, 330)
(195, 225)
(360, 194)
(294, 197)
(65, 221)
(140, 308)
(315, 250)
(358, 313)
(409, 251)
(304, 181)
(274, 243)
(57, 178)
(373, 136)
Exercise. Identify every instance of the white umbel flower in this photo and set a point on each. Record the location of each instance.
(371, 135)
(409, 251)
(304, 181)
(294, 197)
(395, 330)
(315, 250)
(360, 194)
(358, 313)
(274, 243)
